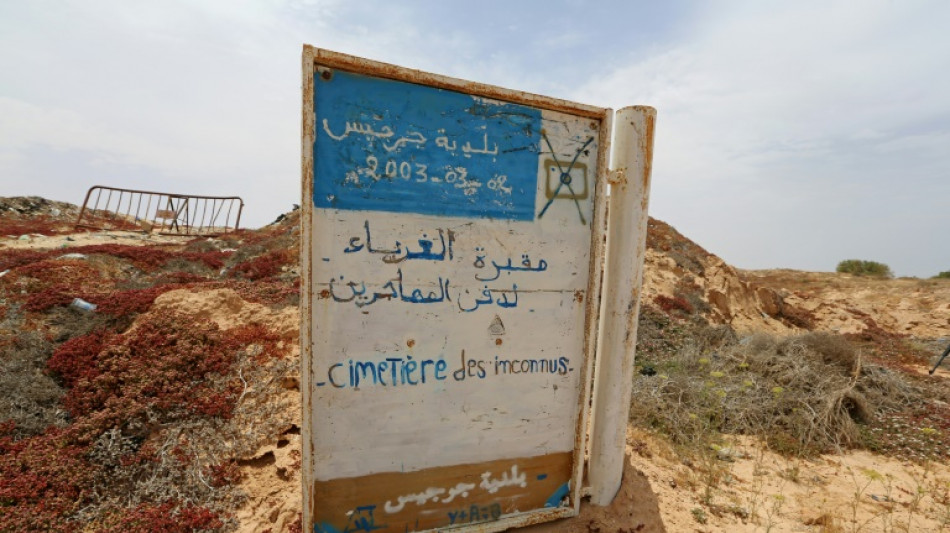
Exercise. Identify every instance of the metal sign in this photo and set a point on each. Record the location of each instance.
(452, 241)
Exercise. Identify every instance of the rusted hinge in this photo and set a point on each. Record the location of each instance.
(617, 176)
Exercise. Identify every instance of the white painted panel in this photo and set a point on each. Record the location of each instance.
(359, 432)
(449, 325)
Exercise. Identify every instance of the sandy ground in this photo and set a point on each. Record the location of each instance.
(841, 302)
(745, 488)
(42, 242)
(751, 489)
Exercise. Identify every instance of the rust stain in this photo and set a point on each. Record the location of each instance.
(579, 296)
(497, 342)
(648, 152)
(307, 128)
(592, 306)
(633, 310)
(410, 343)
(618, 177)
(324, 294)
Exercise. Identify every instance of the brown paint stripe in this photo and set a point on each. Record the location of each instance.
(359, 504)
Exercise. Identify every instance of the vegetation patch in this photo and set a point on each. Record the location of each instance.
(13, 258)
(45, 480)
(167, 517)
(264, 266)
(134, 301)
(113, 424)
(803, 395)
(860, 267)
(41, 225)
(134, 453)
(675, 304)
(166, 366)
(30, 399)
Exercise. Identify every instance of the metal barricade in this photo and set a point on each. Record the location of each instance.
(164, 213)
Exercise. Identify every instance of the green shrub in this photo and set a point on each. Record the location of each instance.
(943, 275)
(859, 267)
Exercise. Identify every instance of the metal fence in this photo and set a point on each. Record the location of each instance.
(164, 213)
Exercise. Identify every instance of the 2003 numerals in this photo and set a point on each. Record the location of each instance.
(418, 172)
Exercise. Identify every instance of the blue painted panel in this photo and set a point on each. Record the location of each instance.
(384, 145)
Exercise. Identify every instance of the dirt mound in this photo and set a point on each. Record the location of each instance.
(845, 303)
(680, 275)
(33, 215)
(33, 207)
(227, 309)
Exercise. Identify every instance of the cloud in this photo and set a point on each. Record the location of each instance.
(199, 98)
(786, 132)
(781, 127)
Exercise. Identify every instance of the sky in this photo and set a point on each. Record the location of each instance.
(789, 134)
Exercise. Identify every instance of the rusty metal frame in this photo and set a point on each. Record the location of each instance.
(173, 214)
(623, 273)
(315, 58)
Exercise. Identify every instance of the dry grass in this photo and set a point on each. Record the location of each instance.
(30, 398)
(803, 395)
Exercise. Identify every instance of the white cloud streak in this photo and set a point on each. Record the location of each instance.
(787, 132)
(790, 134)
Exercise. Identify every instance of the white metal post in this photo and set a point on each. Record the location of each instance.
(623, 274)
